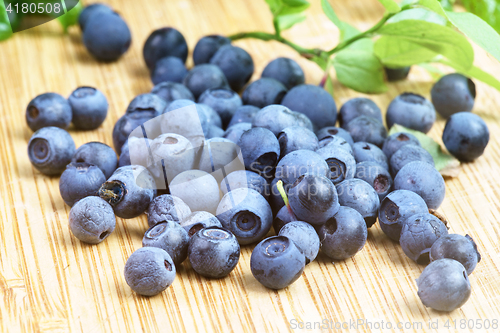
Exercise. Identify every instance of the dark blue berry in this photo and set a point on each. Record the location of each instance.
(344, 234)
(170, 91)
(168, 69)
(296, 137)
(206, 48)
(89, 107)
(453, 93)
(457, 247)
(367, 129)
(235, 131)
(245, 179)
(196, 221)
(264, 92)
(397, 140)
(147, 102)
(396, 74)
(407, 154)
(213, 252)
(80, 180)
(305, 238)
(286, 71)
(164, 42)
(98, 154)
(91, 10)
(203, 77)
(278, 117)
(91, 220)
(356, 107)
(128, 123)
(50, 149)
(277, 262)
(243, 114)
(168, 236)
(224, 101)
(49, 109)
(367, 152)
(396, 207)
(335, 142)
(149, 271)
(167, 207)
(466, 136)
(282, 218)
(314, 102)
(342, 164)
(260, 150)
(412, 111)
(335, 131)
(300, 162)
(236, 64)
(361, 196)
(375, 175)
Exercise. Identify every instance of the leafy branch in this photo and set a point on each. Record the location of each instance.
(412, 32)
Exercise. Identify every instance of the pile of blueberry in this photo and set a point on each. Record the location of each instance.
(214, 171)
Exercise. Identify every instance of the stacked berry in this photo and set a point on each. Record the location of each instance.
(214, 171)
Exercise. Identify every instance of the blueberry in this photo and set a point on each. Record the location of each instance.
(215, 132)
(136, 151)
(278, 117)
(344, 234)
(260, 150)
(223, 101)
(220, 157)
(397, 140)
(171, 91)
(313, 199)
(203, 77)
(444, 285)
(245, 179)
(246, 213)
(342, 164)
(106, 36)
(164, 42)
(235, 132)
(282, 218)
(89, 107)
(49, 109)
(423, 179)
(50, 149)
(196, 221)
(213, 252)
(367, 129)
(419, 232)
(375, 175)
(168, 236)
(335, 131)
(147, 102)
(236, 64)
(168, 69)
(285, 70)
(304, 236)
(172, 154)
(129, 191)
(296, 137)
(396, 74)
(91, 10)
(335, 142)
(453, 93)
(198, 189)
(457, 247)
(243, 114)
(80, 180)
(126, 124)
(466, 136)
(412, 111)
(356, 107)
(98, 154)
(276, 262)
(264, 92)
(213, 118)
(407, 154)
(91, 220)
(300, 162)
(149, 271)
(207, 46)
(275, 199)
(396, 207)
(361, 196)
(314, 102)
(367, 152)
(167, 207)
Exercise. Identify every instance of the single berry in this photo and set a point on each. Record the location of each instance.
(91, 220)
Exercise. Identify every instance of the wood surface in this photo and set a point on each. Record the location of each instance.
(51, 282)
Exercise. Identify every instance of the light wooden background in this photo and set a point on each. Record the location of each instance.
(51, 282)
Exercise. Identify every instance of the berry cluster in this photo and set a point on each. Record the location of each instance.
(214, 171)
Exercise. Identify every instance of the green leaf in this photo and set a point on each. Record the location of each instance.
(422, 14)
(274, 5)
(329, 85)
(397, 52)
(360, 70)
(5, 29)
(71, 17)
(287, 10)
(287, 21)
(296, 3)
(434, 6)
(330, 13)
(321, 62)
(365, 44)
(445, 163)
(348, 32)
(447, 4)
(390, 5)
(440, 39)
(479, 31)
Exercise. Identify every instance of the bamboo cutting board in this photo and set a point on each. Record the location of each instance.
(51, 282)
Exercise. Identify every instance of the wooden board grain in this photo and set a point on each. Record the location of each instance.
(51, 282)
